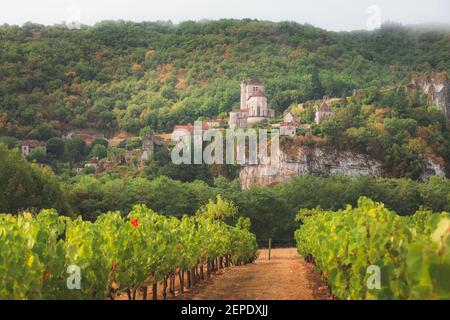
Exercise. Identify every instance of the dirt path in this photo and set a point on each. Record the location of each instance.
(285, 277)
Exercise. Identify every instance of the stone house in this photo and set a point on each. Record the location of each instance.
(27, 146)
(288, 129)
(323, 112)
(238, 118)
(289, 125)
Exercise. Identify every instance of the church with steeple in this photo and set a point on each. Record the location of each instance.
(254, 107)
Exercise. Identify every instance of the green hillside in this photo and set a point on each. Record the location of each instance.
(124, 75)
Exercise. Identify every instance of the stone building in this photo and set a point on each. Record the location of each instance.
(289, 125)
(254, 107)
(238, 118)
(288, 129)
(29, 145)
(323, 112)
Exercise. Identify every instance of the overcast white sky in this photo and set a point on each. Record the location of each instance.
(327, 14)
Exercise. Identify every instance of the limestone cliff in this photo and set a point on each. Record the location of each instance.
(321, 161)
(437, 87)
(431, 168)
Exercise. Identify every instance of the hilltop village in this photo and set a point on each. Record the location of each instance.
(255, 112)
(134, 151)
(303, 122)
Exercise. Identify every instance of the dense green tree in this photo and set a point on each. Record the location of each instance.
(317, 91)
(37, 155)
(98, 151)
(271, 209)
(99, 141)
(74, 149)
(25, 186)
(43, 132)
(146, 131)
(10, 142)
(55, 148)
(330, 127)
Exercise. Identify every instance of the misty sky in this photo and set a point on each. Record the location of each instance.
(328, 14)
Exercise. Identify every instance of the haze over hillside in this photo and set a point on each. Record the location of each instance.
(337, 15)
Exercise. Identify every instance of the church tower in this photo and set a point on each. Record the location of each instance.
(244, 95)
(253, 106)
(249, 89)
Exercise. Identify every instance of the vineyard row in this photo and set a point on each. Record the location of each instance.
(48, 256)
(370, 252)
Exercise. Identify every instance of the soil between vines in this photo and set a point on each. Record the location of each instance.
(285, 277)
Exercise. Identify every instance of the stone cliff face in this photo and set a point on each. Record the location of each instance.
(300, 160)
(320, 161)
(437, 87)
(324, 160)
(431, 168)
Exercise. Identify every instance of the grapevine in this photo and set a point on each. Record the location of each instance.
(116, 255)
(413, 253)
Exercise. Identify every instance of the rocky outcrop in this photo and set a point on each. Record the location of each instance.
(431, 168)
(320, 161)
(437, 87)
(315, 160)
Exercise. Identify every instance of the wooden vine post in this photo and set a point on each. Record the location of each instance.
(270, 246)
